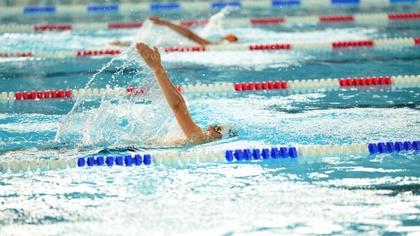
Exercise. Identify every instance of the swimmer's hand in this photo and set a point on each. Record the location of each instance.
(158, 21)
(150, 55)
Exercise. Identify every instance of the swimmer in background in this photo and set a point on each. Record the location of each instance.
(184, 32)
(193, 133)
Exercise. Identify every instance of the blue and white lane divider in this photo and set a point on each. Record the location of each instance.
(304, 154)
(191, 5)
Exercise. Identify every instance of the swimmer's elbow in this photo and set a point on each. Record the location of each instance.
(177, 104)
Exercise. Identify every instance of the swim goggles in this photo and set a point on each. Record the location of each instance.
(223, 129)
(218, 129)
(226, 130)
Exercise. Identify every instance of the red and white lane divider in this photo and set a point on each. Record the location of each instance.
(390, 44)
(61, 54)
(356, 18)
(400, 81)
(328, 83)
(322, 46)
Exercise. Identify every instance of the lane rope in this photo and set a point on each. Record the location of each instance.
(380, 44)
(125, 8)
(396, 43)
(330, 84)
(308, 154)
(370, 18)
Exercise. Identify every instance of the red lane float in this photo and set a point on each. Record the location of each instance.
(52, 27)
(263, 21)
(186, 49)
(17, 54)
(47, 94)
(190, 23)
(125, 25)
(345, 82)
(361, 43)
(336, 18)
(84, 53)
(276, 46)
(135, 90)
(260, 85)
(403, 16)
(25, 95)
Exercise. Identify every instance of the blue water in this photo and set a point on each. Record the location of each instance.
(341, 194)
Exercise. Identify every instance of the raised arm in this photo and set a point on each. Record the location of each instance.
(181, 30)
(174, 98)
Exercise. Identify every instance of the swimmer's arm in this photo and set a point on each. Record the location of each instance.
(181, 30)
(174, 98)
(177, 104)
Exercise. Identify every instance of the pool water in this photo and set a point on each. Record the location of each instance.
(344, 193)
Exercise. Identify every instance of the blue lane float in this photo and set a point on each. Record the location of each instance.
(147, 159)
(342, 2)
(100, 160)
(285, 3)
(247, 154)
(81, 161)
(220, 5)
(31, 10)
(90, 161)
(390, 147)
(102, 8)
(165, 6)
(265, 153)
(127, 160)
(256, 154)
(119, 160)
(403, 1)
(109, 161)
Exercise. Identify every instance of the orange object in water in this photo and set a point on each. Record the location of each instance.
(231, 38)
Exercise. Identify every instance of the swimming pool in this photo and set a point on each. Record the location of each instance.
(330, 185)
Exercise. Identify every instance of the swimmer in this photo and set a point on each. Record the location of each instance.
(184, 32)
(192, 132)
(191, 35)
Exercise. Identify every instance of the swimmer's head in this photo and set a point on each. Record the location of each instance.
(231, 38)
(222, 131)
(227, 131)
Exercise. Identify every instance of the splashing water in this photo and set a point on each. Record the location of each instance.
(123, 120)
(152, 34)
(128, 120)
(214, 28)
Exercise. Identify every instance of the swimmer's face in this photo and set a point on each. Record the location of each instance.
(213, 133)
